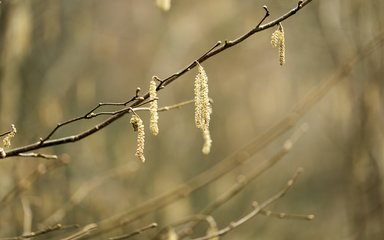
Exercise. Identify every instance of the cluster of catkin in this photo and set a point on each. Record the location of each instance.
(203, 112)
(138, 125)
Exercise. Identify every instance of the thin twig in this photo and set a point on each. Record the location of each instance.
(134, 233)
(39, 155)
(47, 230)
(3, 134)
(55, 227)
(282, 215)
(83, 232)
(167, 108)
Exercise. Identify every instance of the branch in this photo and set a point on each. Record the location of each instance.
(257, 209)
(83, 191)
(53, 228)
(135, 101)
(24, 183)
(134, 233)
(83, 232)
(282, 215)
(246, 180)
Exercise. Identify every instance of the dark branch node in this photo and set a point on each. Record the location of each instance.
(299, 4)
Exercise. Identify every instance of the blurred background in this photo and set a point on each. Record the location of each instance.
(58, 59)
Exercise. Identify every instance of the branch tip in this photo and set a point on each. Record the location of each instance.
(137, 92)
(310, 217)
(299, 4)
(266, 10)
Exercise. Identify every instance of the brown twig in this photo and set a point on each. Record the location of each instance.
(5, 133)
(39, 155)
(53, 228)
(135, 101)
(134, 233)
(85, 231)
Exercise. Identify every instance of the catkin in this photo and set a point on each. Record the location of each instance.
(207, 141)
(9, 136)
(278, 40)
(138, 126)
(198, 99)
(153, 107)
(164, 5)
(203, 107)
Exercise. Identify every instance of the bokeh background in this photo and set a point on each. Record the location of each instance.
(59, 58)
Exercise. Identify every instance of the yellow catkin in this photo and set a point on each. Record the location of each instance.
(207, 141)
(9, 136)
(278, 40)
(198, 100)
(203, 108)
(138, 125)
(282, 46)
(164, 5)
(153, 107)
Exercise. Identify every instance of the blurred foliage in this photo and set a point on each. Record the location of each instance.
(60, 58)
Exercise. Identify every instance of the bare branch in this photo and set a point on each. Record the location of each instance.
(53, 228)
(256, 210)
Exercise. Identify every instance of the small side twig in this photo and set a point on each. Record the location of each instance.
(282, 215)
(50, 229)
(39, 155)
(134, 233)
(86, 230)
(5, 133)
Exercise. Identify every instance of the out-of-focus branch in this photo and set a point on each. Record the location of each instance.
(257, 209)
(136, 100)
(282, 215)
(86, 230)
(83, 191)
(25, 183)
(245, 180)
(47, 230)
(134, 233)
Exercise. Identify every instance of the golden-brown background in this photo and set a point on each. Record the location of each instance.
(59, 58)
